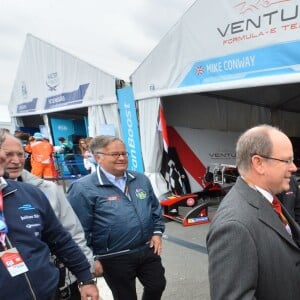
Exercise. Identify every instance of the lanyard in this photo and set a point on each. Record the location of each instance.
(3, 226)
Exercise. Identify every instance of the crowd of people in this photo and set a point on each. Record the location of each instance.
(45, 160)
(36, 221)
(85, 242)
(109, 224)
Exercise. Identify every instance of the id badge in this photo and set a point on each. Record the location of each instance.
(13, 262)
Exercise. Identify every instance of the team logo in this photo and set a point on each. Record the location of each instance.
(26, 207)
(253, 5)
(52, 81)
(24, 89)
(140, 193)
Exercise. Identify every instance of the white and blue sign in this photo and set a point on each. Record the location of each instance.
(130, 128)
(68, 98)
(27, 106)
(276, 59)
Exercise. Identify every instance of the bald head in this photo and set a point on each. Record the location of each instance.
(256, 140)
(14, 156)
(264, 157)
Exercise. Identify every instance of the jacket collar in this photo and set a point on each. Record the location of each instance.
(102, 179)
(266, 214)
(11, 187)
(3, 183)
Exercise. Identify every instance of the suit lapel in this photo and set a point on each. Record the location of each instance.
(294, 226)
(267, 215)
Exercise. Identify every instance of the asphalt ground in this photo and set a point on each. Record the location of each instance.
(185, 260)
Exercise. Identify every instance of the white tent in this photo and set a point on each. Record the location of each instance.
(5, 120)
(50, 80)
(224, 67)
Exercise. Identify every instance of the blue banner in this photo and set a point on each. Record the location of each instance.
(27, 106)
(67, 98)
(130, 128)
(272, 60)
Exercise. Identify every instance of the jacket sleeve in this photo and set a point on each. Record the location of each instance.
(232, 262)
(61, 243)
(83, 207)
(159, 226)
(72, 224)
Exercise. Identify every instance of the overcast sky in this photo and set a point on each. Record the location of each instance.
(113, 35)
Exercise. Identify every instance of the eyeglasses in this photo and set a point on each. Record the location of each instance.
(115, 155)
(286, 161)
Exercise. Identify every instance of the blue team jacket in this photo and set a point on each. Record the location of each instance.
(115, 222)
(32, 229)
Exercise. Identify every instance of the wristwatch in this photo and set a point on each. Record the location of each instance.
(87, 282)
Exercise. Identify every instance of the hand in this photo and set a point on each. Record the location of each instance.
(98, 268)
(156, 243)
(89, 292)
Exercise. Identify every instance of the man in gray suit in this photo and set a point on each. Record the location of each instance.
(251, 254)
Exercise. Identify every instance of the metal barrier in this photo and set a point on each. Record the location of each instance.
(64, 169)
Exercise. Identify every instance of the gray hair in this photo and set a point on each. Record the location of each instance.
(256, 140)
(3, 132)
(6, 133)
(102, 141)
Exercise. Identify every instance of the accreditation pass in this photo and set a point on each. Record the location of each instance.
(13, 262)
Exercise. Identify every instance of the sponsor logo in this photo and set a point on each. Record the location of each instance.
(269, 22)
(140, 193)
(52, 81)
(28, 217)
(67, 98)
(218, 155)
(32, 225)
(27, 106)
(62, 127)
(198, 219)
(24, 89)
(26, 207)
(254, 5)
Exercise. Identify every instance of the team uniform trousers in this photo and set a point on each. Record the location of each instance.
(120, 273)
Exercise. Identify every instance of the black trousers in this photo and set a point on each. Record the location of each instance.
(120, 274)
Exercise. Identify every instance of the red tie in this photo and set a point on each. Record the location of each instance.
(277, 205)
(278, 209)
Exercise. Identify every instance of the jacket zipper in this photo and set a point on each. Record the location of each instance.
(25, 274)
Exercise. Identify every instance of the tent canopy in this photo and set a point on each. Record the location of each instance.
(246, 51)
(49, 79)
(223, 67)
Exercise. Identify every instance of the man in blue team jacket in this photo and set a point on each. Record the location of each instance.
(30, 230)
(122, 221)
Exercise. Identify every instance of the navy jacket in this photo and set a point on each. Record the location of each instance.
(113, 222)
(32, 229)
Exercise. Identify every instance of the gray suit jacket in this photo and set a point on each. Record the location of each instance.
(251, 255)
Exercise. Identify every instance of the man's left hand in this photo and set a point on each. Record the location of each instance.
(89, 292)
(156, 243)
